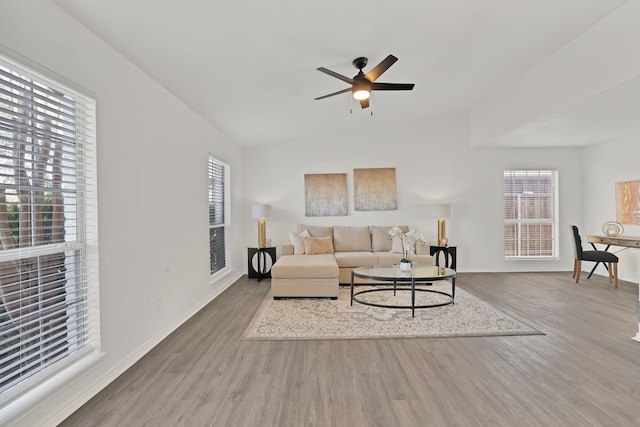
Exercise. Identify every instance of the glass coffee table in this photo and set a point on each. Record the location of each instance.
(407, 280)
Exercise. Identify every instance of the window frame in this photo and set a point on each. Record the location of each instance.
(553, 209)
(80, 241)
(224, 224)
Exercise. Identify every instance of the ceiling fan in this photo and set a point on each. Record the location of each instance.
(362, 84)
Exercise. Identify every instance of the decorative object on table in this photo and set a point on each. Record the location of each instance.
(374, 189)
(324, 319)
(441, 212)
(612, 228)
(628, 202)
(325, 194)
(404, 243)
(261, 213)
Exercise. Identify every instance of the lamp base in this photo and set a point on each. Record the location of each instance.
(442, 238)
(262, 233)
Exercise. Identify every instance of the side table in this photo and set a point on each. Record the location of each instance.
(260, 261)
(449, 253)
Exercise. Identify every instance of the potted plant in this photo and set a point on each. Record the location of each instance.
(408, 241)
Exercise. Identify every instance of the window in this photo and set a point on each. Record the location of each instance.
(218, 214)
(48, 227)
(530, 205)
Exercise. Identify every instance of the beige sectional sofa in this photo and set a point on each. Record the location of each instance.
(328, 256)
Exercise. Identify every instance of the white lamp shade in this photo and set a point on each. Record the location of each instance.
(444, 210)
(261, 211)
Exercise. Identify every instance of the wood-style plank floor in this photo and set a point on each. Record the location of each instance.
(584, 372)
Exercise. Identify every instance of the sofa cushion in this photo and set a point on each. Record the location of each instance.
(297, 240)
(316, 231)
(351, 239)
(318, 245)
(380, 241)
(355, 259)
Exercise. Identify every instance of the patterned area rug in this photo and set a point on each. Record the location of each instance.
(318, 319)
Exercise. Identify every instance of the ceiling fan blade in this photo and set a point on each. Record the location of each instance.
(392, 86)
(336, 75)
(364, 103)
(380, 68)
(334, 93)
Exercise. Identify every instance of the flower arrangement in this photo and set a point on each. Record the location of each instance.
(408, 241)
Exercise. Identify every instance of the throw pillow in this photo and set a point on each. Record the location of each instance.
(297, 240)
(396, 247)
(318, 245)
(380, 241)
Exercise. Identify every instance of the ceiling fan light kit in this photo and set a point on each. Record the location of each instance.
(362, 84)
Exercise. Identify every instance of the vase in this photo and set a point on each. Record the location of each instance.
(405, 266)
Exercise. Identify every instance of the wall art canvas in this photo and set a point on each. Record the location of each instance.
(628, 202)
(374, 189)
(325, 194)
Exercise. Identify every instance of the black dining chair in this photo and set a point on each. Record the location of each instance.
(593, 256)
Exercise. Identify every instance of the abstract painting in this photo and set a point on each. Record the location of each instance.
(628, 202)
(374, 189)
(325, 194)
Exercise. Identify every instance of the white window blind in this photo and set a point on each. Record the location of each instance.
(218, 213)
(530, 213)
(48, 226)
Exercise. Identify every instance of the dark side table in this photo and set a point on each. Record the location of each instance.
(260, 261)
(449, 254)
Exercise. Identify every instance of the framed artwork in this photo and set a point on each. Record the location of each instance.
(628, 202)
(374, 189)
(325, 194)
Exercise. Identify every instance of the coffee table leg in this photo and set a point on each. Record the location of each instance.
(352, 288)
(413, 297)
(453, 290)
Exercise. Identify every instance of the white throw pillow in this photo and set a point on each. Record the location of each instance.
(396, 247)
(297, 240)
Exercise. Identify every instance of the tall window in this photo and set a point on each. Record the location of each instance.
(48, 226)
(530, 219)
(218, 214)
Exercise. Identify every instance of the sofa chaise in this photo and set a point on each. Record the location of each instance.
(318, 259)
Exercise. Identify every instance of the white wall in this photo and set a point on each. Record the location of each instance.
(152, 183)
(434, 164)
(604, 165)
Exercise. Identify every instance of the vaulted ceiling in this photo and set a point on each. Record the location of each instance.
(528, 72)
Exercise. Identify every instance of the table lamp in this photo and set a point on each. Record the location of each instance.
(441, 212)
(261, 213)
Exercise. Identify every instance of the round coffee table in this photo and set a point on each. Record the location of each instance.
(393, 275)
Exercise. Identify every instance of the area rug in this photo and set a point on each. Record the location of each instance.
(322, 319)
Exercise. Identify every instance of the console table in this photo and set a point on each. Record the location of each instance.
(627, 242)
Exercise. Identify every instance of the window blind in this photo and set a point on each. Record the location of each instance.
(218, 195)
(529, 213)
(48, 225)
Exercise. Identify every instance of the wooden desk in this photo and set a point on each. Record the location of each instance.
(626, 241)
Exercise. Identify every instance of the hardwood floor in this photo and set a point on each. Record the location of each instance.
(584, 372)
